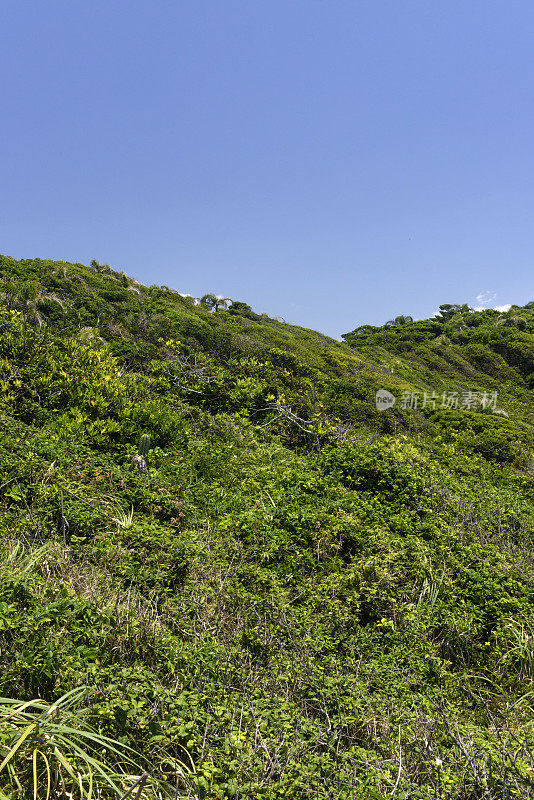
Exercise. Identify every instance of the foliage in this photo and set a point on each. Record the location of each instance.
(52, 749)
(265, 586)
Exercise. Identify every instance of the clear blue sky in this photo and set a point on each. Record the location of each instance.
(335, 162)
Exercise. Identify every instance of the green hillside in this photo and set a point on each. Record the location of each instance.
(261, 585)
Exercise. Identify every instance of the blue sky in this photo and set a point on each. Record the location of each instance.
(333, 162)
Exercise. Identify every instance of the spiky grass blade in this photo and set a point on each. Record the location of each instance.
(34, 760)
(68, 745)
(48, 774)
(18, 744)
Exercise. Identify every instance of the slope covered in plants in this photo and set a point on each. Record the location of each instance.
(265, 586)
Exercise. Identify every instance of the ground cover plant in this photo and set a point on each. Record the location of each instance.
(253, 583)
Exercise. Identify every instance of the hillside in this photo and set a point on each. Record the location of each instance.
(262, 584)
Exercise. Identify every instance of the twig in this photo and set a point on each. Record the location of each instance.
(140, 782)
(64, 523)
(400, 764)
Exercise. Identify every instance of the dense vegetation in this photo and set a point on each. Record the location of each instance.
(252, 582)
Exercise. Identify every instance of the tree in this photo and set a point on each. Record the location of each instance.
(222, 302)
(448, 310)
(362, 331)
(402, 320)
(208, 301)
(243, 309)
(212, 302)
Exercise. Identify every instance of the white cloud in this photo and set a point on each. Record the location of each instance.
(505, 307)
(486, 297)
(486, 301)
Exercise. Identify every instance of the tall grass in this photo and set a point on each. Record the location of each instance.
(49, 751)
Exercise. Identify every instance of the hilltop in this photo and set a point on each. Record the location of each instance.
(266, 586)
